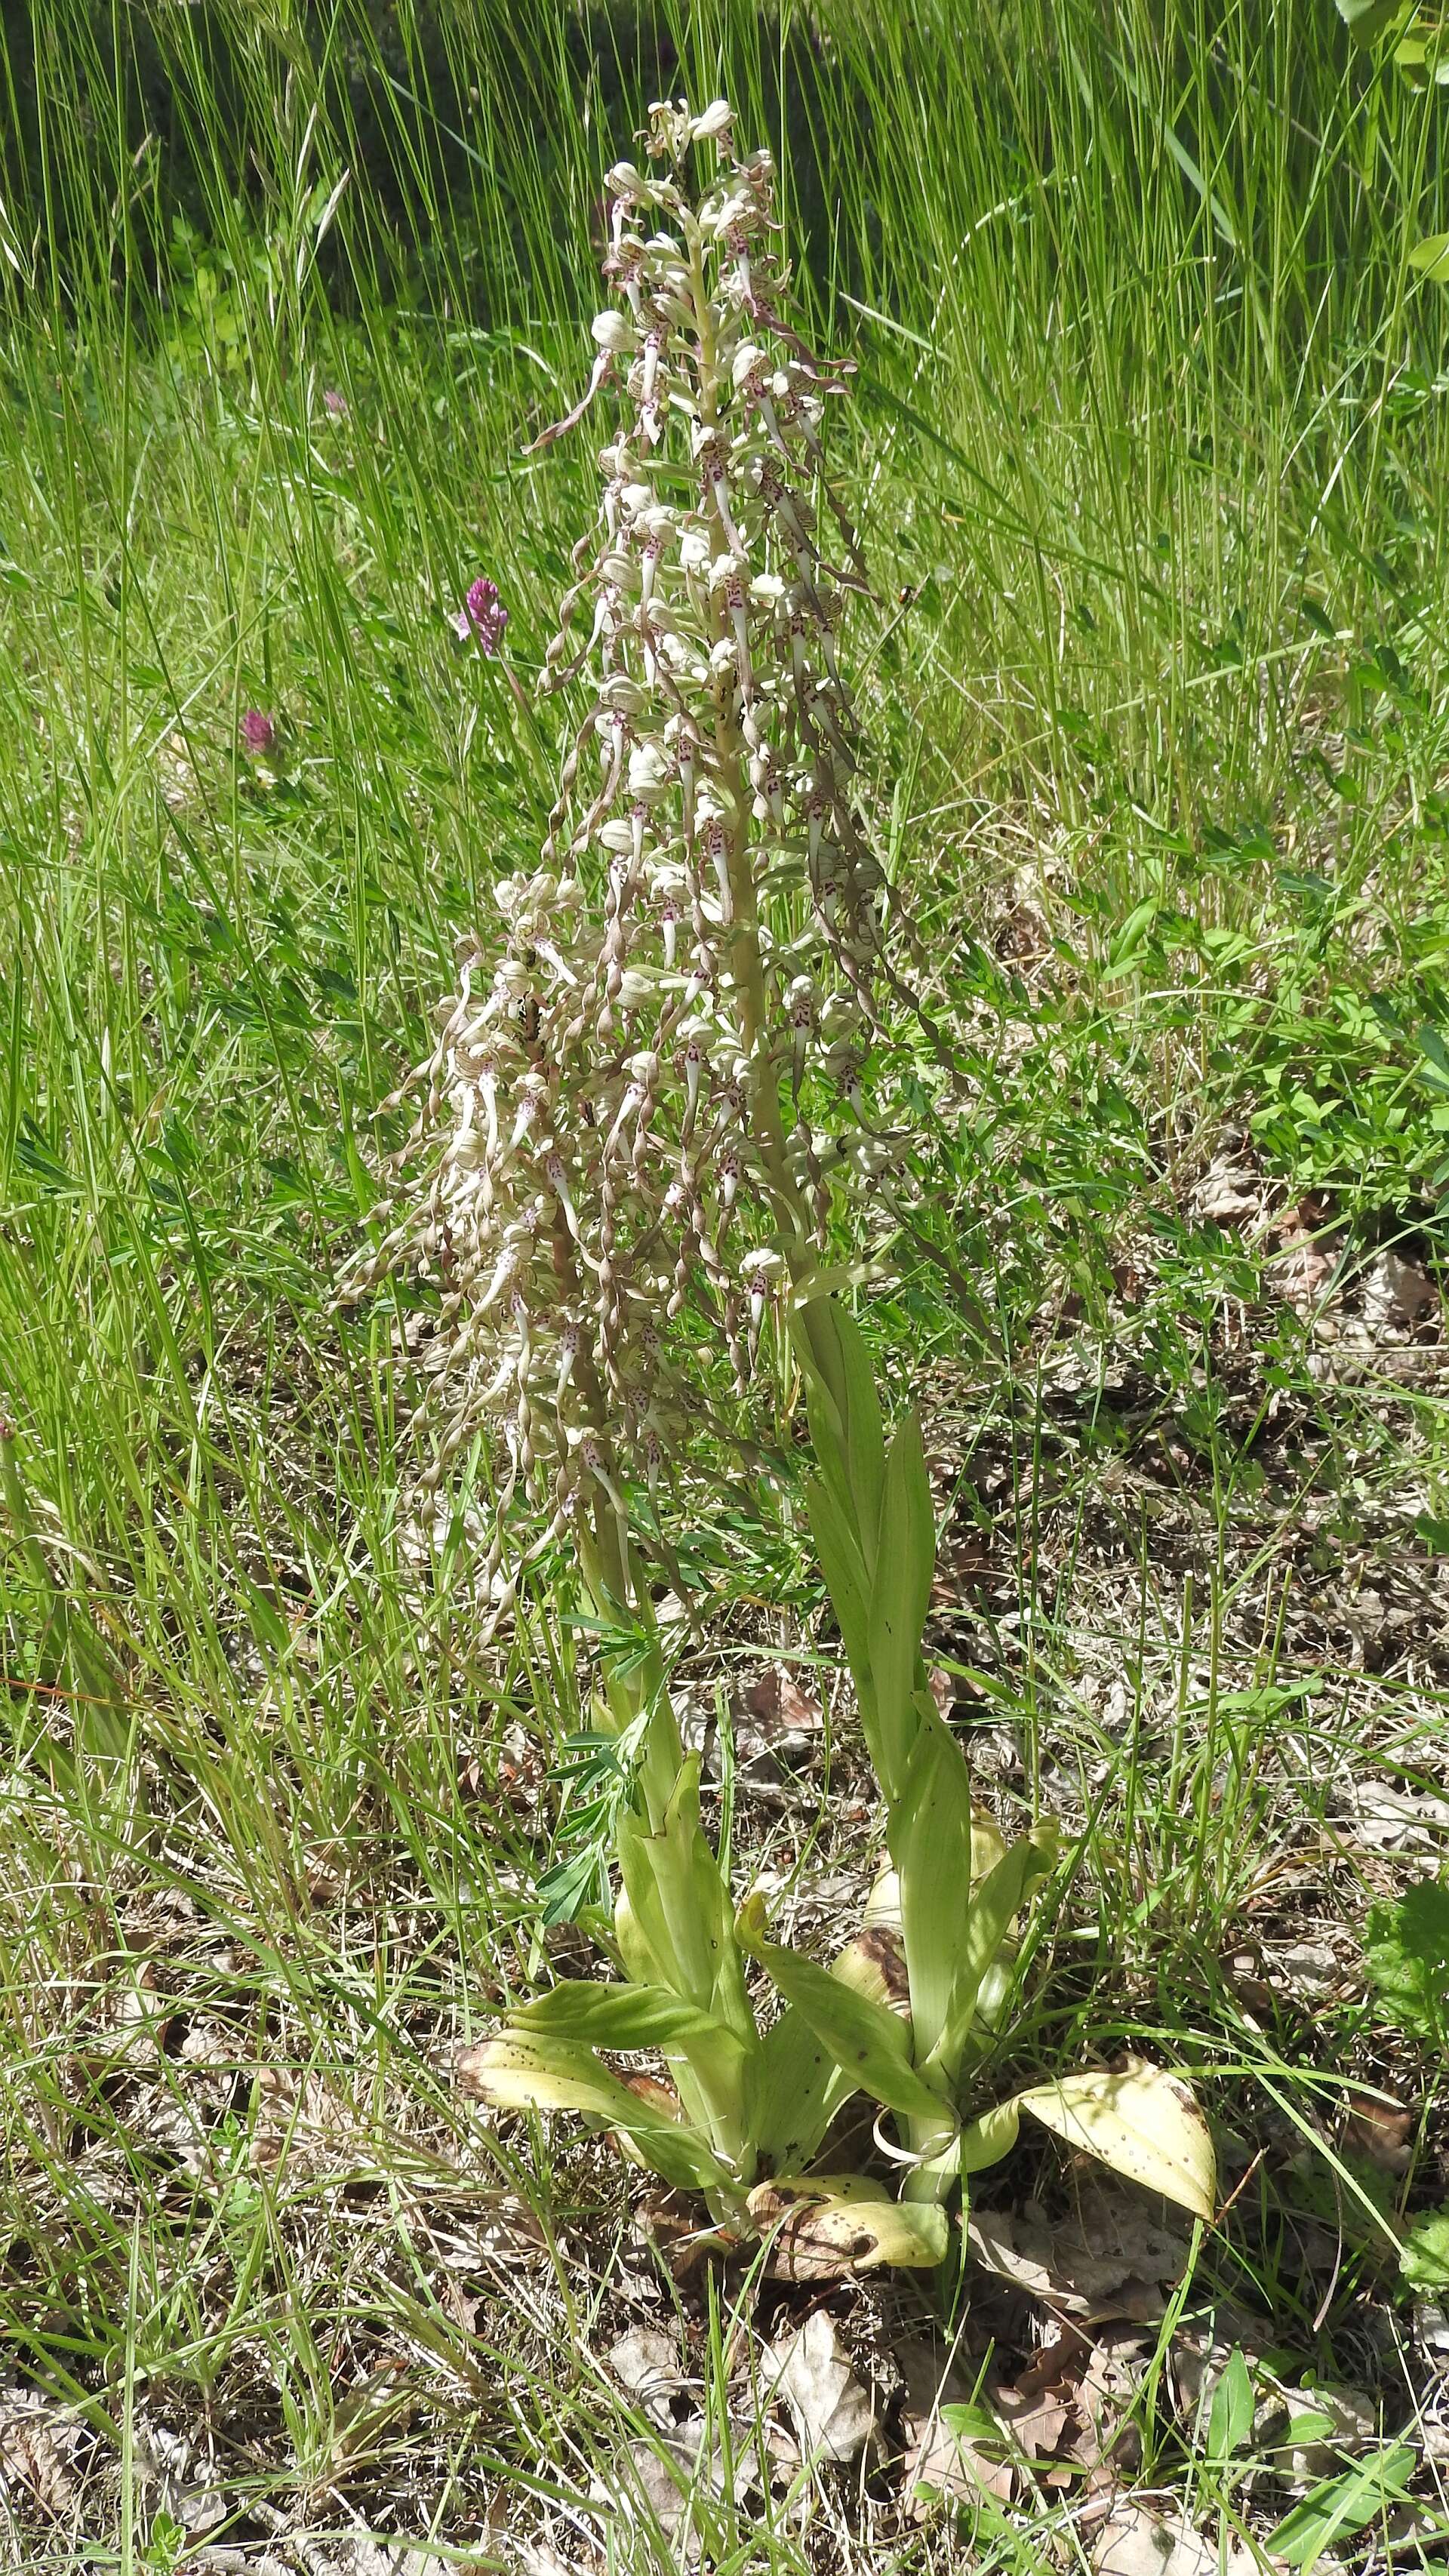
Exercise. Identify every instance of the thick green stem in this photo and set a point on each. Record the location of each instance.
(637, 1682)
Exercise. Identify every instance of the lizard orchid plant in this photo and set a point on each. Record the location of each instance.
(644, 1094)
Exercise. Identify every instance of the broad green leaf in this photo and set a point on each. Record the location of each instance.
(800, 2086)
(984, 2141)
(988, 1846)
(636, 1951)
(986, 1924)
(883, 1905)
(899, 1599)
(833, 2225)
(1435, 1054)
(845, 1427)
(1367, 19)
(1342, 2506)
(1431, 258)
(1141, 2121)
(519, 2071)
(930, 1833)
(1408, 1961)
(620, 2017)
(977, 2425)
(798, 2091)
(1234, 2401)
(681, 1908)
(867, 2041)
(1133, 933)
(1411, 60)
(843, 1567)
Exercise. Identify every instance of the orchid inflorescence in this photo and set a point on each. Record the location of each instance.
(618, 1107)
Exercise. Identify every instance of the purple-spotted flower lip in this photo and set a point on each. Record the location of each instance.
(258, 732)
(482, 617)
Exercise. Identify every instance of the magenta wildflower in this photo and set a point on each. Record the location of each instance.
(258, 733)
(335, 402)
(482, 616)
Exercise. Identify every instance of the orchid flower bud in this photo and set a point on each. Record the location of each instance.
(613, 333)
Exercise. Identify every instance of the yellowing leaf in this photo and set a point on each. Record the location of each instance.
(833, 2225)
(1141, 2121)
(520, 2072)
(986, 2140)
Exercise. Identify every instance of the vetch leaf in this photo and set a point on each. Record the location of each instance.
(1141, 2121)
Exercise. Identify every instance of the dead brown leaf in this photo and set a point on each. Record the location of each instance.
(1387, 1818)
(299, 2125)
(951, 2466)
(37, 2452)
(833, 2411)
(776, 1720)
(1381, 2130)
(1399, 1301)
(1111, 2257)
(1135, 2542)
(1230, 1194)
(672, 2226)
(937, 2462)
(1305, 1261)
(646, 2363)
(1107, 2389)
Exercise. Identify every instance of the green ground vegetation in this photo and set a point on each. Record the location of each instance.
(1149, 443)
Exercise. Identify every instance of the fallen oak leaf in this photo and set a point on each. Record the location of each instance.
(1108, 2259)
(1135, 2542)
(833, 2411)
